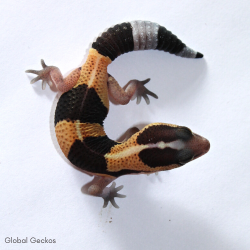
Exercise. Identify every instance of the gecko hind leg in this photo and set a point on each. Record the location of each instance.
(133, 89)
(98, 187)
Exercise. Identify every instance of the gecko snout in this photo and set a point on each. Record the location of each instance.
(199, 145)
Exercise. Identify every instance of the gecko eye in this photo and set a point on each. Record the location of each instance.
(184, 133)
(185, 156)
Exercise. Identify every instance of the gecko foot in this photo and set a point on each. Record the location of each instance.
(142, 91)
(46, 74)
(110, 193)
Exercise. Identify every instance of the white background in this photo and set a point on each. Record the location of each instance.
(203, 205)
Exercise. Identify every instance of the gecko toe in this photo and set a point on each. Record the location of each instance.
(35, 79)
(43, 64)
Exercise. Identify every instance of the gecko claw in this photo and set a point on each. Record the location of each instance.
(110, 193)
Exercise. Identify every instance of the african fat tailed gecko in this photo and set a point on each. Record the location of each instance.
(84, 105)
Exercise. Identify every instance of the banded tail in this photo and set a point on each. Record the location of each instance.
(140, 35)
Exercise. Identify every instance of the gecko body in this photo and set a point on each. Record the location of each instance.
(84, 105)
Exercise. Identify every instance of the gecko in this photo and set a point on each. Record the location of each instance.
(84, 105)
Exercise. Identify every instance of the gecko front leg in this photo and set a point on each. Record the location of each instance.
(133, 89)
(98, 187)
(53, 77)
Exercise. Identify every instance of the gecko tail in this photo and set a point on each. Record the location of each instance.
(141, 35)
(199, 55)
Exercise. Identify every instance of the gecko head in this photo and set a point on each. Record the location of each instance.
(193, 147)
(170, 146)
